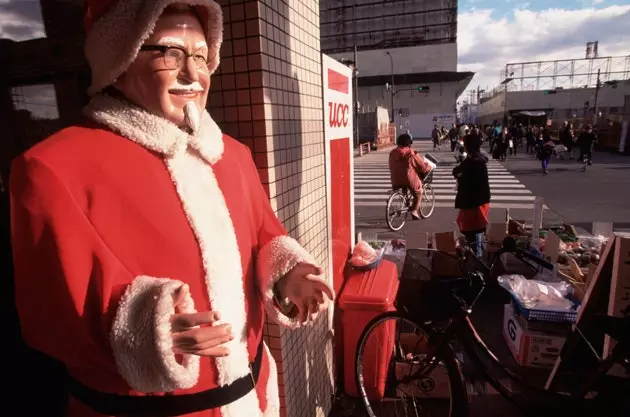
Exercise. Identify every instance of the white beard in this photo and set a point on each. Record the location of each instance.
(191, 115)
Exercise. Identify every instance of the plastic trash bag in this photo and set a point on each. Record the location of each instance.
(593, 243)
(538, 295)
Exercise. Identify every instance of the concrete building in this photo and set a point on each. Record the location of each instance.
(558, 91)
(267, 94)
(401, 43)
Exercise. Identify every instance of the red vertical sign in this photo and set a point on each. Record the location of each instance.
(338, 134)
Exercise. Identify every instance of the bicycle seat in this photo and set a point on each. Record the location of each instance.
(402, 189)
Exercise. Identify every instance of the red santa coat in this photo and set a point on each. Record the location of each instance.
(110, 218)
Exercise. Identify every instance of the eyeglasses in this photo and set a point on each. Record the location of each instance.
(174, 56)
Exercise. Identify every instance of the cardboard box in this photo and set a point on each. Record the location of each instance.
(446, 241)
(445, 263)
(619, 304)
(530, 348)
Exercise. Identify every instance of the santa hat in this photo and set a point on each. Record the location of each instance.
(116, 29)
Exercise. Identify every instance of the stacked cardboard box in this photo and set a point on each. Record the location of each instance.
(538, 348)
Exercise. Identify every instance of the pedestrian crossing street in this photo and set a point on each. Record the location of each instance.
(372, 182)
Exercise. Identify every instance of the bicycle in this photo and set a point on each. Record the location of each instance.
(434, 314)
(401, 200)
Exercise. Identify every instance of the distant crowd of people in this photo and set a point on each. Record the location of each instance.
(506, 140)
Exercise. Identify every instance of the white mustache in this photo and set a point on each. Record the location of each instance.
(193, 87)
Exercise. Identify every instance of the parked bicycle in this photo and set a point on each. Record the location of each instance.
(433, 315)
(401, 200)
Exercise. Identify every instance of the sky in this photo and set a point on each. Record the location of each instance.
(491, 33)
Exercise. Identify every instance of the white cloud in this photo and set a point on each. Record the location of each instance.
(21, 20)
(486, 44)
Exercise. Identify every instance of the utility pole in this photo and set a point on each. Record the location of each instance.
(595, 116)
(356, 96)
(391, 61)
(505, 94)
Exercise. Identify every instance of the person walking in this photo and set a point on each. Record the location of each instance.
(546, 151)
(567, 138)
(473, 194)
(530, 140)
(585, 143)
(435, 137)
(503, 144)
(452, 135)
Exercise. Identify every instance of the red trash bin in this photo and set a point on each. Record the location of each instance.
(366, 295)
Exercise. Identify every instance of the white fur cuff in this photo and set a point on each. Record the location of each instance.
(274, 261)
(141, 337)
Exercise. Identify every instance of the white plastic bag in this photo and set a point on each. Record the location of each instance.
(538, 295)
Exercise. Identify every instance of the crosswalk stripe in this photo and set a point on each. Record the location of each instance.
(372, 182)
(438, 197)
(498, 183)
(380, 169)
(437, 177)
(361, 183)
(511, 206)
(443, 190)
(436, 172)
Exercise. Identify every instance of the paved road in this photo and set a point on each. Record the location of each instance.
(580, 198)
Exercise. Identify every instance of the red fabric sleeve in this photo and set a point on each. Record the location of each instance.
(64, 275)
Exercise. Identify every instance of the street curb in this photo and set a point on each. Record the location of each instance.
(378, 150)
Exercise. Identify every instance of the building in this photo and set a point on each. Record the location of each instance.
(559, 90)
(404, 44)
(267, 93)
(468, 113)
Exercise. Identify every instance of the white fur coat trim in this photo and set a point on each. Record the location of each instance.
(154, 132)
(209, 217)
(114, 40)
(273, 395)
(148, 364)
(275, 260)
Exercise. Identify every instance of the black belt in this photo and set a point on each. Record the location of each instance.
(168, 405)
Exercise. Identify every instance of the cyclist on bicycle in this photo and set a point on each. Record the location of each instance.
(407, 168)
(473, 194)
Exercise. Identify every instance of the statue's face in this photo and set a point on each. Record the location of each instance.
(164, 82)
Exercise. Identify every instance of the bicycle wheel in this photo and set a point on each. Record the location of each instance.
(396, 375)
(396, 211)
(428, 201)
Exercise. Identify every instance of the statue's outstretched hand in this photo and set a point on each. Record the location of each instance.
(306, 287)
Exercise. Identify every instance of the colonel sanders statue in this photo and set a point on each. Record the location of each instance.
(146, 251)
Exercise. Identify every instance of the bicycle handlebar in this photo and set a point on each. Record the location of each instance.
(539, 261)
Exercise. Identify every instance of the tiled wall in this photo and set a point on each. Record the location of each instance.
(268, 94)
